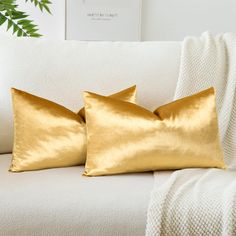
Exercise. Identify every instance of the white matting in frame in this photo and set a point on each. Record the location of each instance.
(114, 20)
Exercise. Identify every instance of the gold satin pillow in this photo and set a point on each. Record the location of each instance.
(128, 95)
(48, 135)
(123, 137)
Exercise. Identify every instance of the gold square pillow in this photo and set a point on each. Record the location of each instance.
(123, 137)
(48, 135)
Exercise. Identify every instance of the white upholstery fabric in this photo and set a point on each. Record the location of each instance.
(61, 70)
(62, 202)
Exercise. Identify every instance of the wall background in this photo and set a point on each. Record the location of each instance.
(161, 19)
(173, 20)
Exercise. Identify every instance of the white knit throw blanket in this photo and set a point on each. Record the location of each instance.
(202, 201)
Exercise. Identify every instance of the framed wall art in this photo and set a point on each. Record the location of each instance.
(103, 20)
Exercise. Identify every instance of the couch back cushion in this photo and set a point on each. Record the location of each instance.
(61, 70)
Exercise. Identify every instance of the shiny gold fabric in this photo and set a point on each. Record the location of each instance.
(124, 137)
(128, 95)
(47, 135)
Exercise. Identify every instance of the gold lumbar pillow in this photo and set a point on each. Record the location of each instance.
(128, 95)
(123, 137)
(48, 135)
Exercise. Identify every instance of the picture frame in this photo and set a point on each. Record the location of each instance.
(103, 20)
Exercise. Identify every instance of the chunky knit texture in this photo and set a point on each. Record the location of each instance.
(194, 202)
(202, 201)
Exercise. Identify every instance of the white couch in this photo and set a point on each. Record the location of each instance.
(61, 201)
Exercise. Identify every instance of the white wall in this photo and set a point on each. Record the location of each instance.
(174, 19)
(161, 19)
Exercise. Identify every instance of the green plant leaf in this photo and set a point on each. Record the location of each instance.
(41, 4)
(18, 20)
(9, 24)
(2, 19)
